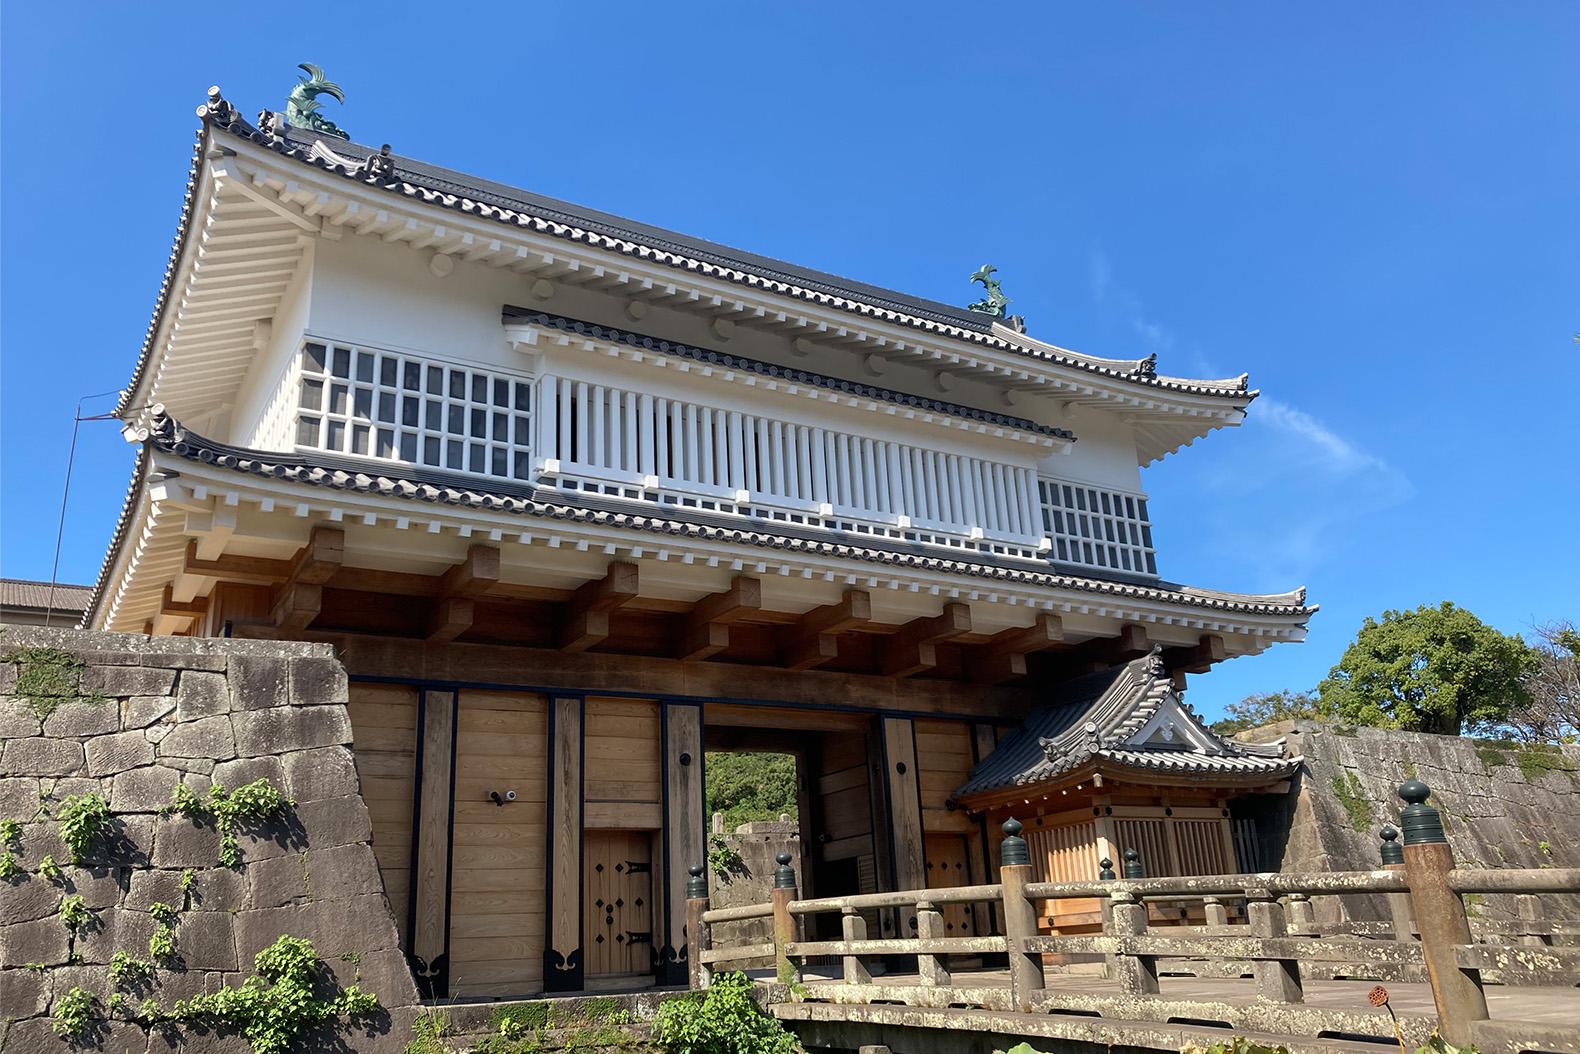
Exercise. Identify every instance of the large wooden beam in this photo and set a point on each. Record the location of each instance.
(296, 604)
(586, 621)
(298, 601)
(706, 631)
(911, 650)
(1003, 658)
(454, 610)
(190, 609)
(247, 570)
(1196, 658)
(814, 639)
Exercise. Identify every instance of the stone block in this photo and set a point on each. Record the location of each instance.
(233, 774)
(26, 993)
(258, 683)
(201, 695)
(123, 681)
(143, 790)
(18, 796)
(154, 887)
(24, 899)
(318, 682)
(384, 973)
(16, 720)
(191, 766)
(39, 941)
(208, 737)
(140, 711)
(7, 678)
(108, 755)
(32, 1034)
(99, 887)
(280, 881)
(313, 775)
(361, 923)
(180, 843)
(334, 822)
(284, 729)
(220, 889)
(205, 940)
(41, 757)
(88, 718)
(344, 872)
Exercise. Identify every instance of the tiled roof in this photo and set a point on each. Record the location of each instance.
(724, 360)
(515, 207)
(25, 593)
(425, 485)
(1092, 720)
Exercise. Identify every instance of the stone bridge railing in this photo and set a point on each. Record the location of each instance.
(1429, 938)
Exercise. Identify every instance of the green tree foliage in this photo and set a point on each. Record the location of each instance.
(1553, 713)
(1435, 669)
(1264, 708)
(749, 787)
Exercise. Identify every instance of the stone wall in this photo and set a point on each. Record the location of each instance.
(752, 880)
(1503, 805)
(128, 720)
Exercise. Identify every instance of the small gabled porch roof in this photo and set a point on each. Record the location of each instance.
(1127, 720)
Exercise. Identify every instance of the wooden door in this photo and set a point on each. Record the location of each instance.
(617, 903)
(947, 866)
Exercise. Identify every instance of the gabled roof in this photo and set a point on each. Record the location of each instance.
(26, 594)
(1128, 718)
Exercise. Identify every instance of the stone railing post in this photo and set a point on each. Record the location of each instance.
(930, 924)
(697, 936)
(853, 927)
(1020, 917)
(1277, 980)
(1216, 911)
(784, 892)
(1399, 910)
(1439, 916)
(1136, 974)
(1299, 916)
(1106, 874)
(1528, 908)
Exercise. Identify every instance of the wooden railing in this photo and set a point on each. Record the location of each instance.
(1428, 938)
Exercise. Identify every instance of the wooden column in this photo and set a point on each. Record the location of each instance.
(685, 829)
(562, 950)
(429, 908)
(902, 800)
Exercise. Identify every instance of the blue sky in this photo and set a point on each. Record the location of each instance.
(1371, 208)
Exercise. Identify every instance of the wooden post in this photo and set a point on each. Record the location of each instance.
(697, 939)
(1277, 980)
(1439, 916)
(854, 928)
(685, 825)
(430, 892)
(930, 924)
(784, 924)
(1399, 909)
(562, 953)
(1137, 974)
(1020, 917)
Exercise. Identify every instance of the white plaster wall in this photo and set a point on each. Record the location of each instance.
(367, 291)
(273, 369)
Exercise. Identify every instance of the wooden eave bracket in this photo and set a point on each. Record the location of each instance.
(911, 650)
(586, 622)
(1004, 657)
(299, 600)
(706, 630)
(1197, 658)
(814, 638)
(455, 608)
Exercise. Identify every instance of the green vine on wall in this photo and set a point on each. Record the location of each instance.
(1352, 796)
(48, 677)
(247, 807)
(84, 820)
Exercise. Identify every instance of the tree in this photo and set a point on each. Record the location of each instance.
(1435, 669)
(1263, 708)
(1553, 713)
(750, 786)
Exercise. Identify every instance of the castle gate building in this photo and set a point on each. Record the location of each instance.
(579, 500)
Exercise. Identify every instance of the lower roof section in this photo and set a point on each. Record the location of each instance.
(195, 504)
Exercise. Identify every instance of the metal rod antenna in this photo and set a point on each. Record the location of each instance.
(65, 494)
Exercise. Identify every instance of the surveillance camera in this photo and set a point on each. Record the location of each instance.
(510, 795)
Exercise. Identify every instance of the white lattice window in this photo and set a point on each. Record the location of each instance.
(1094, 527)
(380, 404)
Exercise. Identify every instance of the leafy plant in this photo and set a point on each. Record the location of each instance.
(47, 868)
(84, 819)
(188, 887)
(272, 1008)
(129, 972)
(10, 844)
(723, 859)
(1352, 796)
(163, 913)
(428, 1032)
(248, 806)
(74, 1012)
(9, 868)
(74, 913)
(1238, 1045)
(723, 1020)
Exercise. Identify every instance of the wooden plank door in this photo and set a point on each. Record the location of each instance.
(947, 865)
(617, 903)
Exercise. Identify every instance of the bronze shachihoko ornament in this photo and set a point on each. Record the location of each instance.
(301, 106)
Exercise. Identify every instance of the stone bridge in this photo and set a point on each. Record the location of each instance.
(1146, 982)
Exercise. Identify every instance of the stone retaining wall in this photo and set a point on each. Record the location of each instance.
(139, 716)
(1503, 805)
